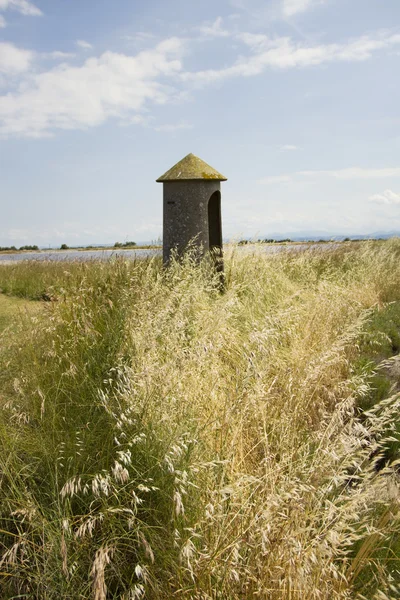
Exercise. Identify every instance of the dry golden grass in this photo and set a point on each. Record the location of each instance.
(165, 440)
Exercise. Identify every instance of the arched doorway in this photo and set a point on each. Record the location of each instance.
(214, 222)
(215, 229)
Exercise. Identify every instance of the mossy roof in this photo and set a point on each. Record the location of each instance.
(191, 167)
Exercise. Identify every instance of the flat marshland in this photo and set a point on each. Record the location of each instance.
(160, 439)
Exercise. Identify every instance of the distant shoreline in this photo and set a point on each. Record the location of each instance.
(81, 249)
(242, 242)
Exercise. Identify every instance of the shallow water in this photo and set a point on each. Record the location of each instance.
(105, 254)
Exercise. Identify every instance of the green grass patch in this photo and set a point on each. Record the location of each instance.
(12, 309)
(382, 335)
(41, 280)
(380, 342)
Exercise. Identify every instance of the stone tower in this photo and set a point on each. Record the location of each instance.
(192, 208)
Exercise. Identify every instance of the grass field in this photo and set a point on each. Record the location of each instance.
(160, 439)
(12, 309)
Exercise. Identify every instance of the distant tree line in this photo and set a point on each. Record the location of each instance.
(8, 248)
(266, 241)
(321, 241)
(124, 244)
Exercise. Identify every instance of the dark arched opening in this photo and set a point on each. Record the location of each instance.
(214, 222)
(215, 229)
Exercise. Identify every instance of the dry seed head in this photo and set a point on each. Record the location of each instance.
(120, 473)
(147, 547)
(102, 559)
(101, 485)
(179, 508)
(88, 526)
(71, 487)
(125, 456)
(10, 556)
(64, 556)
(135, 593)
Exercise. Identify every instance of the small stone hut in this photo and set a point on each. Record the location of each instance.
(192, 208)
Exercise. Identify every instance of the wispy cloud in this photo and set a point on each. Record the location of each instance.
(117, 85)
(58, 55)
(214, 29)
(354, 173)
(288, 148)
(83, 44)
(14, 60)
(240, 4)
(284, 53)
(2, 22)
(140, 38)
(292, 7)
(342, 174)
(387, 197)
(25, 7)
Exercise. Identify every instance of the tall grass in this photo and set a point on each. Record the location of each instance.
(43, 279)
(160, 439)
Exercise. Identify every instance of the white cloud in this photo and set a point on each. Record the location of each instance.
(284, 53)
(292, 7)
(121, 85)
(83, 44)
(57, 54)
(140, 38)
(2, 22)
(25, 7)
(14, 60)
(288, 148)
(387, 197)
(112, 85)
(363, 47)
(214, 29)
(342, 174)
(138, 119)
(354, 173)
(256, 41)
(239, 4)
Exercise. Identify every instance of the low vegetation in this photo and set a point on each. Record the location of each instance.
(42, 280)
(15, 249)
(12, 309)
(265, 241)
(124, 244)
(160, 439)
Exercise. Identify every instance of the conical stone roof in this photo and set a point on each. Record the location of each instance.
(191, 167)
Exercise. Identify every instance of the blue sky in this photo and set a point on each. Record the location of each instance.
(295, 101)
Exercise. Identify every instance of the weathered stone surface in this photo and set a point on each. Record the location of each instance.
(191, 167)
(192, 208)
(186, 215)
